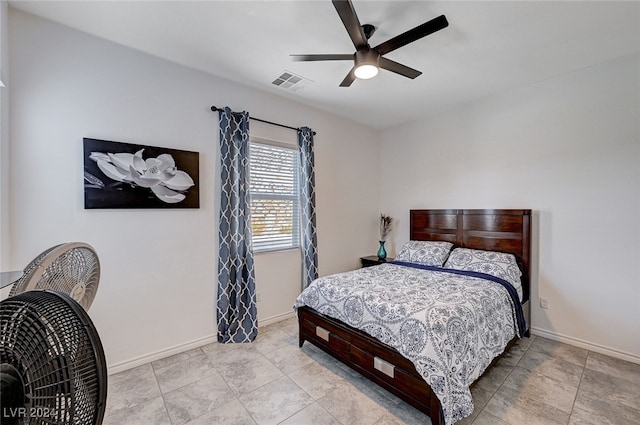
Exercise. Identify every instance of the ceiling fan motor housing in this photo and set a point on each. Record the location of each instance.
(367, 56)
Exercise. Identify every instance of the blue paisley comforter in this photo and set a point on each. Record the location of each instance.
(450, 325)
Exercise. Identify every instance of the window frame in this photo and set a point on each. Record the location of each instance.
(296, 242)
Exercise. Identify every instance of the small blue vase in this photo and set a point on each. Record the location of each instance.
(382, 253)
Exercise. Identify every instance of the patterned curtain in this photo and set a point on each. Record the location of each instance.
(236, 311)
(308, 207)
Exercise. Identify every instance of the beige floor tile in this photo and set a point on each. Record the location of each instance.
(221, 355)
(313, 414)
(530, 384)
(290, 326)
(177, 359)
(350, 406)
(273, 340)
(150, 412)
(317, 380)
(198, 398)
(494, 376)
(600, 412)
(245, 376)
(607, 399)
(559, 350)
(485, 418)
(509, 406)
(275, 401)
(614, 367)
(131, 388)
(555, 368)
(403, 413)
(182, 369)
(575, 419)
(480, 400)
(290, 358)
(233, 413)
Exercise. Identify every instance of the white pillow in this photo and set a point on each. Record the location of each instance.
(428, 253)
(498, 264)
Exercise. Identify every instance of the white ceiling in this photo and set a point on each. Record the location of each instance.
(488, 48)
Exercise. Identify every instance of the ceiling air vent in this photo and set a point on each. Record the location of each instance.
(290, 81)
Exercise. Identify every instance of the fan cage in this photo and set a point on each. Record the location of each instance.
(50, 340)
(72, 268)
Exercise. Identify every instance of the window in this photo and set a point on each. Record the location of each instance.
(273, 189)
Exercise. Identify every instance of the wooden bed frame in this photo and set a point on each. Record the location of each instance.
(493, 230)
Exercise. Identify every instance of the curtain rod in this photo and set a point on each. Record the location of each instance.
(214, 109)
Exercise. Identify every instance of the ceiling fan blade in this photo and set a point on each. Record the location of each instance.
(398, 68)
(412, 35)
(350, 78)
(350, 20)
(311, 58)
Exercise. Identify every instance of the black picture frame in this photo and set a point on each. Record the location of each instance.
(115, 177)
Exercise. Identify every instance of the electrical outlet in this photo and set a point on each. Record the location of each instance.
(258, 296)
(544, 303)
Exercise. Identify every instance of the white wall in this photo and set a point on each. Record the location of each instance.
(157, 291)
(4, 132)
(569, 149)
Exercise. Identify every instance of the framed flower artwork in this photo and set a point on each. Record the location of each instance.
(125, 175)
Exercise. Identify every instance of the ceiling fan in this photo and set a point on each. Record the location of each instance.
(367, 60)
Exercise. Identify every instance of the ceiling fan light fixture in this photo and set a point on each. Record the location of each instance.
(364, 72)
(366, 64)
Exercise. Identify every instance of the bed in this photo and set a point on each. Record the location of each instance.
(506, 231)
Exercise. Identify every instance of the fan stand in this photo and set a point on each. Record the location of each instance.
(12, 392)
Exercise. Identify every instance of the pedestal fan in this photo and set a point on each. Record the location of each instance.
(52, 364)
(72, 268)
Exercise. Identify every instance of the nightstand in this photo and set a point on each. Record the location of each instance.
(373, 260)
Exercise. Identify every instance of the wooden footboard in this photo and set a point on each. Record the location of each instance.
(379, 362)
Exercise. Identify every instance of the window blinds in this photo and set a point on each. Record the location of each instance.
(274, 196)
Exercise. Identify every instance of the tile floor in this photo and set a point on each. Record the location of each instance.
(272, 381)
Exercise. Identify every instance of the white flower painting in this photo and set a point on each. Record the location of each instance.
(122, 174)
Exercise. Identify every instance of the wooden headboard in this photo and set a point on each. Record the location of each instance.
(491, 230)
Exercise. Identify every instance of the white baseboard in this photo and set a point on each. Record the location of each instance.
(176, 349)
(276, 318)
(586, 345)
(160, 354)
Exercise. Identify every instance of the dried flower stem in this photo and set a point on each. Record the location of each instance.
(386, 223)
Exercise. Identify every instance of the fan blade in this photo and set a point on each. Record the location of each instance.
(412, 35)
(350, 20)
(310, 58)
(350, 78)
(398, 68)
